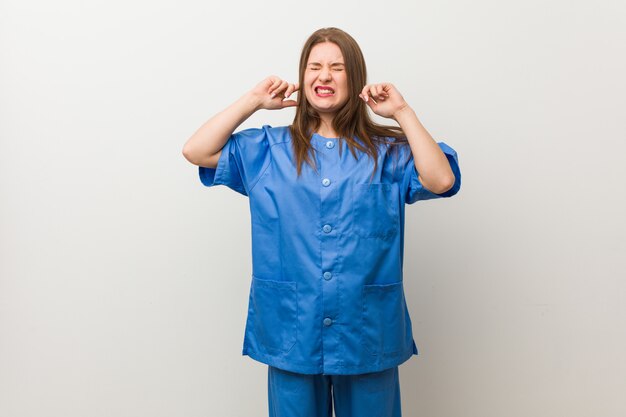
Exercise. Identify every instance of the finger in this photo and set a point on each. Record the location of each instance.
(290, 89)
(364, 90)
(383, 91)
(281, 87)
(378, 89)
(296, 87)
(277, 81)
(272, 81)
(372, 92)
(386, 89)
(288, 103)
(275, 89)
(270, 90)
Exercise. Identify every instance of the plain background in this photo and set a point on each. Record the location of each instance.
(124, 282)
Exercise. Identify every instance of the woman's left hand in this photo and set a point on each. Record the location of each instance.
(384, 99)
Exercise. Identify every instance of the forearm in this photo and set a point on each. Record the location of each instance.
(213, 134)
(430, 161)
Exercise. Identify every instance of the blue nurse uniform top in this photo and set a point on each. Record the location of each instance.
(326, 292)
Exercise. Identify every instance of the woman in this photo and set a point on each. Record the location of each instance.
(326, 306)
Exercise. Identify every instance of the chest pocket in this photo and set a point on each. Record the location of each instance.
(375, 210)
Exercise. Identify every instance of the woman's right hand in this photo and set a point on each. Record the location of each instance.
(272, 92)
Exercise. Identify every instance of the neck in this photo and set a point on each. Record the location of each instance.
(326, 127)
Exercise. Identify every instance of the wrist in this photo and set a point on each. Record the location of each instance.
(403, 113)
(252, 101)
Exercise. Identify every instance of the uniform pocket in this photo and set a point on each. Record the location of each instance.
(375, 210)
(385, 326)
(275, 308)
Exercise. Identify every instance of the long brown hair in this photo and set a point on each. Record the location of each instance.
(352, 119)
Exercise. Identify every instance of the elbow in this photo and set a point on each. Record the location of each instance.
(445, 185)
(189, 154)
(200, 159)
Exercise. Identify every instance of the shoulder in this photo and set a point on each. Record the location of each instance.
(270, 134)
(279, 134)
(389, 145)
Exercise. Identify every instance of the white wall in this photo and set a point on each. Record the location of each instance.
(124, 281)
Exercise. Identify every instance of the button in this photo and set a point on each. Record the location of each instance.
(327, 275)
(327, 321)
(330, 144)
(326, 182)
(327, 228)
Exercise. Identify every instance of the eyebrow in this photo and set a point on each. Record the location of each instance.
(332, 65)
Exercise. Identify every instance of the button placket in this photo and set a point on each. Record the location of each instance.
(329, 210)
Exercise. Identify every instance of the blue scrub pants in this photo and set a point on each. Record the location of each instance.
(375, 394)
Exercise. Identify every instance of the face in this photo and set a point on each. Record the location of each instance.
(325, 80)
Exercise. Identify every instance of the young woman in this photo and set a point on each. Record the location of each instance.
(327, 311)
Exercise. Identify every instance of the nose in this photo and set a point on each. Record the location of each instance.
(325, 74)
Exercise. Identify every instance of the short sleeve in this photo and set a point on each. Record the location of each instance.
(415, 191)
(243, 159)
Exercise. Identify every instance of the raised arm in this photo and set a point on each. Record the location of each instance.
(436, 174)
(204, 147)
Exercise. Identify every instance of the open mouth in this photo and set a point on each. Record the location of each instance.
(324, 91)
